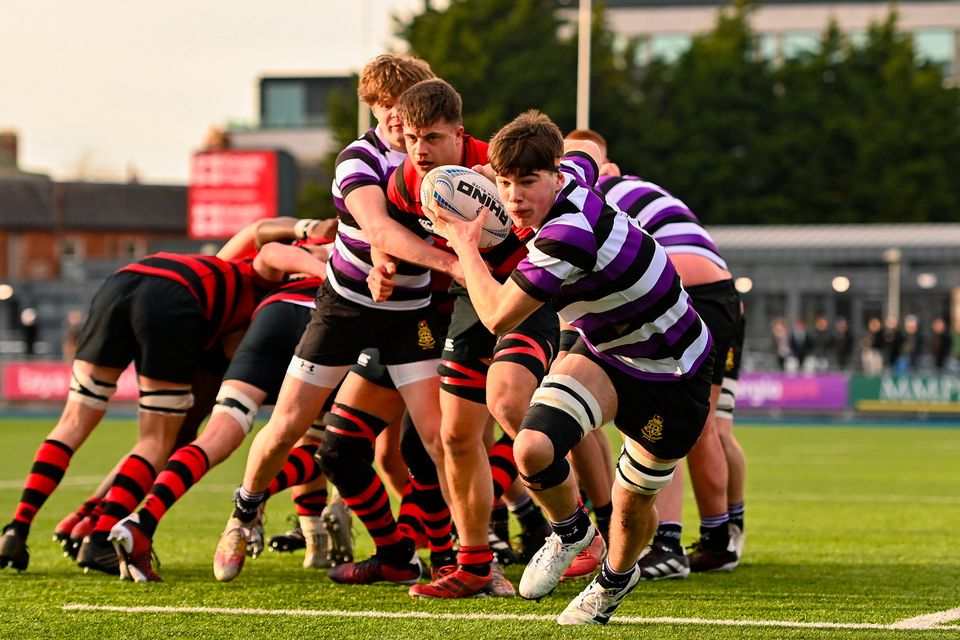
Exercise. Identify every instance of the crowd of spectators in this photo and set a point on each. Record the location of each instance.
(887, 346)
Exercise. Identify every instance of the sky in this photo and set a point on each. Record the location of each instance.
(100, 88)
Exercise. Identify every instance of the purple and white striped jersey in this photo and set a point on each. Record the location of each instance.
(612, 281)
(369, 160)
(663, 216)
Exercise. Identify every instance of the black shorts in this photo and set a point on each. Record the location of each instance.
(468, 339)
(718, 305)
(731, 366)
(666, 417)
(264, 353)
(369, 368)
(154, 322)
(339, 330)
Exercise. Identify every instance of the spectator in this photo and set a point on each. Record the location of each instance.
(28, 327)
(911, 346)
(801, 344)
(780, 342)
(940, 343)
(891, 341)
(870, 355)
(821, 341)
(842, 343)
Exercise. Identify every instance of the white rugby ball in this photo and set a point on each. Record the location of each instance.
(463, 193)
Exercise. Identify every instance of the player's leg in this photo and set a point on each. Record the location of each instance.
(91, 388)
(736, 460)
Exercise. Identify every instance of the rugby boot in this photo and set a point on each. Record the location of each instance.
(659, 562)
(238, 540)
(80, 531)
(500, 586)
(134, 551)
(502, 550)
(454, 582)
(703, 560)
(587, 561)
(595, 604)
(61, 533)
(375, 570)
(98, 556)
(338, 523)
(530, 541)
(13, 550)
(738, 538)
(542, 574)
(290, 540)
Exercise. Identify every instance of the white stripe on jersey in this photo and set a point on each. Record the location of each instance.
(645, 332)
(617, 299)
(657, 206)
(669, 366)
(390, 305)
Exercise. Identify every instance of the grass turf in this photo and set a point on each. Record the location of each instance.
(845, 525)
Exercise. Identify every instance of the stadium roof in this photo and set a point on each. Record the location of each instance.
(836, 236)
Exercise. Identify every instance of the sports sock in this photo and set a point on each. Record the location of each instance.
(714, 532)
(527, 513)
(503, 467)
(184, 468)
(602, 516)
(475, 560)
(49, 465)
(573, 528)
(372, 506)
(301, 467)
(133, 480)
(610, 579)
(247, 504)
(312, 503)
(735, 511)
(668, 535)
(500, 521)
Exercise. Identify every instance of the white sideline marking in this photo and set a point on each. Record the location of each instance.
(69, 481)
(929, 622)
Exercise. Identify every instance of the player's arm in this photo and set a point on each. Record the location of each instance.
(501, 307)
(245, 241)
(368, 205)
(275, 260)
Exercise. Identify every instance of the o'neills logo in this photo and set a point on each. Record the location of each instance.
(425, 339)
(728, 365)
(653, 430)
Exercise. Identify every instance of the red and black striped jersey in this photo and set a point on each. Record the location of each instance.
(403, 204)
(302, 291)
(227, 290)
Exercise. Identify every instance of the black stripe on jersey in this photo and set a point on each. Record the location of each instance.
(676, 349)
(672, 219)
(402, 189)
(580, 258)
(360, 154)
(363, 289)
(641, 204)
(219, 309)
(528, 287)
(616, 330)
(604, 225)
(185, 271)
(624, 281)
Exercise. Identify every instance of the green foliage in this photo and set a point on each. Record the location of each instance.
(850, 133)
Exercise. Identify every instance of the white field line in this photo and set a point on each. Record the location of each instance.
(74, 481)
(928, 623)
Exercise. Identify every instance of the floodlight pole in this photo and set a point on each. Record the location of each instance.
(893, 259)
(583, 64)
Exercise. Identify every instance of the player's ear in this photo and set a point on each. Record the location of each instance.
(459, 132)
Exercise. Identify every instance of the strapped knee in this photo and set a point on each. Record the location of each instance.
(467, 379)
(166, 401)
(638, 473)
(728, 399)
(531, 354)
(92, 393)
(341, 457)
(238, 405)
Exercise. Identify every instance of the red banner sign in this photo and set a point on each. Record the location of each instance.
(229, 190)
(28, 381)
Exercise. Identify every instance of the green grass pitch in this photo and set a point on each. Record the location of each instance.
(850, 530)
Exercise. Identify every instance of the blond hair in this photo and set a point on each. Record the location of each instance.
(387, 76)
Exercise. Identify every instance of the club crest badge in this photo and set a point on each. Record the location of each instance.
(653, 430)
(425, 339)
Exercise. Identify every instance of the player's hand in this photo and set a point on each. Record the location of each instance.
(379, 281)
(460, 235)
(485, 170)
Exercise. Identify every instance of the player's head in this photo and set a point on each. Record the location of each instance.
(593, 136)
(432, 115)
(525, 154)
(382, 81)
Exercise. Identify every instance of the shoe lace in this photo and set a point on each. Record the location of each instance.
(445, 571)
(550, 554)
(592, 600)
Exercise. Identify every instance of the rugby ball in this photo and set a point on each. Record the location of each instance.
(463, 193)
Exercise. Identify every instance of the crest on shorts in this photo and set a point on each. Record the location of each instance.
(653, 430)
(425, 339)
(728, 366)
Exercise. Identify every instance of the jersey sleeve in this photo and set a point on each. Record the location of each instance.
(581, 165)
(356, 167)
(561, 251)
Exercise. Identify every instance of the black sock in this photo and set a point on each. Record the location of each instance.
(247, 505)
(573, 528)
(528, 514)
(610, 579)
(500, 522)
(668, 536)
(735, 511)
(602, 516)
(715, 536)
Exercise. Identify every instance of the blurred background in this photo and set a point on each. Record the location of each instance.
(818, 142)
